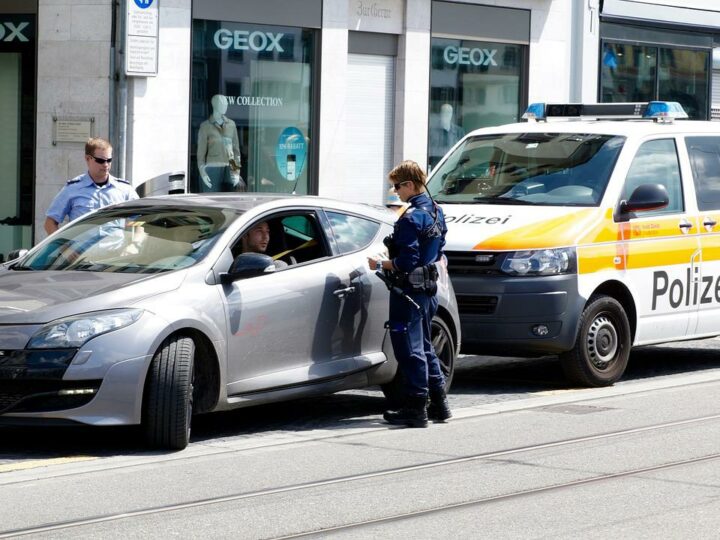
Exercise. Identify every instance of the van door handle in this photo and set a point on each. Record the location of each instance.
(685, 225)
(344, 292)
(709, 223)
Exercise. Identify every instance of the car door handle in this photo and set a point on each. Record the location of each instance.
(343, 292)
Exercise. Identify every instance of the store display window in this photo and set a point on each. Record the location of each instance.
(251, 120)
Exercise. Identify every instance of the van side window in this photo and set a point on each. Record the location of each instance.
(656, 162)
(704, 155)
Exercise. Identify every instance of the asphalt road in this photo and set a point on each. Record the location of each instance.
(525, 456)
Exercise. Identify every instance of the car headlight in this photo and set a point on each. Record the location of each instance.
(74, 332)
(540, 262)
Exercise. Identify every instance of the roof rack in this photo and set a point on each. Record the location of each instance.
(660, 111)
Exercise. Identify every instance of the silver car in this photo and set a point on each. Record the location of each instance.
(147, 312)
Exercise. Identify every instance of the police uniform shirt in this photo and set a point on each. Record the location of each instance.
(420, 237)
(82, 195)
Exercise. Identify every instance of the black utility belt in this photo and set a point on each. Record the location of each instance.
(423, 278)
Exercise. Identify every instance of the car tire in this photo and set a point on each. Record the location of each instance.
(446, 350)
(602, 346)
(168, 398)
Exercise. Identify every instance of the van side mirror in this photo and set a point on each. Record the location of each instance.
(645, 197)
(16, 254)
(248, 265)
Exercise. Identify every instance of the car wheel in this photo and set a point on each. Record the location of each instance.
(445, 348)
(168, 401)
(602, 346)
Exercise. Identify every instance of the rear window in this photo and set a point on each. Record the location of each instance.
(545, 169)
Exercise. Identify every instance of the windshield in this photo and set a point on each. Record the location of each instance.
(553, 169)
(142, 239)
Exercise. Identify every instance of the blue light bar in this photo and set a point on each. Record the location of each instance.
(536, 111)
(664, 109)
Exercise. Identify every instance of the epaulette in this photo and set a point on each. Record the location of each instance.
(122, 180)
(410, 210)
(73, 181)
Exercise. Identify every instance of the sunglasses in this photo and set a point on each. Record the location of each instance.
(102, 161)
(397, 186)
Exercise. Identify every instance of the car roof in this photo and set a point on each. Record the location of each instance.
(260, 202)
(625, 128)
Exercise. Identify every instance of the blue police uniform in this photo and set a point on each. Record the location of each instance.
(82, 195)
(418, 238)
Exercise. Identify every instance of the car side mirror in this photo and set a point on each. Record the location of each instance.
(645, 197)
(248, 265)
(16, 254)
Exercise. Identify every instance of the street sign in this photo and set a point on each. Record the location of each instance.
(141, 38)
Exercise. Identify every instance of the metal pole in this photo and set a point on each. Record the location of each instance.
(123, 94)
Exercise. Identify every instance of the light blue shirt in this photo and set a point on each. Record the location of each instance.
(82, 195)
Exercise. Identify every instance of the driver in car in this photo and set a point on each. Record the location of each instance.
(256, 240)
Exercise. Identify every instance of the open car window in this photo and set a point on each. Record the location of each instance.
(295, 238)
(133, 239)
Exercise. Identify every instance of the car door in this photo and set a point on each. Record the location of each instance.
(704, 157)
(363, 312)
(281, 324)
(661, 247)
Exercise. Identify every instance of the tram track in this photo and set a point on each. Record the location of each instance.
(94, 520)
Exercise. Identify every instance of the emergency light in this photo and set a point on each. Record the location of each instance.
(656, 110)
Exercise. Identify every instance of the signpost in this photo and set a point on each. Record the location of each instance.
(141, 38)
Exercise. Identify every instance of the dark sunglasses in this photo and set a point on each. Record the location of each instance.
(397, 186)
(102, 161)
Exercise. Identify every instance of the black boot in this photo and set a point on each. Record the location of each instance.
(439, 409)
(413, 414)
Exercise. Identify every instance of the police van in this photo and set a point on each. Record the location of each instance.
(583, 232)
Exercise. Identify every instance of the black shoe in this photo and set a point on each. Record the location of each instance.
(439, 409)
(413, 414)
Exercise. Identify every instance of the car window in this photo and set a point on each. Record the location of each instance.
(550, 169)
(704, 155)
(351, 232)
(656, 162)
(293, 238)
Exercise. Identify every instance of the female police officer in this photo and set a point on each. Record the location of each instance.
(416, 244)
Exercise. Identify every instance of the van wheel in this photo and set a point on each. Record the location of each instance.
(446, 350)
(168, 402)
(602, 346)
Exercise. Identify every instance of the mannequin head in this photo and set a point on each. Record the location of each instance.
(446, 112)
(219, 105)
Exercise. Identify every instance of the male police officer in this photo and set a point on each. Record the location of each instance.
(94, 189)
(416, 244)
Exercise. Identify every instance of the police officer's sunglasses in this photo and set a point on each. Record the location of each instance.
(102, 161)
(397, 186)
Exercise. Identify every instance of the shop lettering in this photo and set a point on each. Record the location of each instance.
(467, 56)
(9, 31)
(688, 292)
(255, 101)
(364, 10)
(473, 219)
(242, 40)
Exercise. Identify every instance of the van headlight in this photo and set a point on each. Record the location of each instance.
(73, 332)
(540, 262)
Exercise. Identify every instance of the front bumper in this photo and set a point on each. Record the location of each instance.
(498, 313)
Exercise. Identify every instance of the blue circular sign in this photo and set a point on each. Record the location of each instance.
(144, 4)
(291, 153)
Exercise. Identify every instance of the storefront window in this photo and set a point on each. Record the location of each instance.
(473, 84)
(17, 116)
(631, 73)
(251, 107)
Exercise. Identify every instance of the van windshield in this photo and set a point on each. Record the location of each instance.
(545, 169)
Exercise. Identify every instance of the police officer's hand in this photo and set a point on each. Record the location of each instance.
(372, 263)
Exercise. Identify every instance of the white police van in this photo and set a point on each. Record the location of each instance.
(584, 238)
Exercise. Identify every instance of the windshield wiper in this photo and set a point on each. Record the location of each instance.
(21, 268)
(501, 200)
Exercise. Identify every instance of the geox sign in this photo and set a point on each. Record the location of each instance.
(11, 31)
(242, 40)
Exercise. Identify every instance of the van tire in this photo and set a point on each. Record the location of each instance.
(168, 396)
(602, 346)
(446, 350)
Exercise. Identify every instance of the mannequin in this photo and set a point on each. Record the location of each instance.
(218, 150)
(444, 135)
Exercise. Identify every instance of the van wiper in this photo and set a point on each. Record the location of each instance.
(501, 200)
(20, 268)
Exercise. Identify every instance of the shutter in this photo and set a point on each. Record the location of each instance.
(369, 123)
(715, 101)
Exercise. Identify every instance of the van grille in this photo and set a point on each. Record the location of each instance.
(474, 262)
(476, 305)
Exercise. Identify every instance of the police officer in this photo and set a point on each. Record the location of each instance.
(87, 192)
(416, 244)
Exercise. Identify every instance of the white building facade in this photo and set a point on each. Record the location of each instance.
(312, 96)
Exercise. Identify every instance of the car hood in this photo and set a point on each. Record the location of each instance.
(34, 297)
(508, 228)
